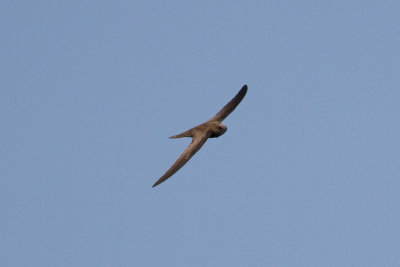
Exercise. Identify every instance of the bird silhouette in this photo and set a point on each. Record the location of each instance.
(209, 129)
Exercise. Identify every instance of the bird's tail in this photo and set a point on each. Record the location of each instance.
(188, 133)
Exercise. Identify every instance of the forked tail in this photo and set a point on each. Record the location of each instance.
(188, 133)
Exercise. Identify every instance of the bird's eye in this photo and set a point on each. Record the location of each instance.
(219, 128)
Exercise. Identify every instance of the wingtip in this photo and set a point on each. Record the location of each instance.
(242, 92)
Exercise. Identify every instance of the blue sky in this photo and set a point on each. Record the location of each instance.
(306, 175)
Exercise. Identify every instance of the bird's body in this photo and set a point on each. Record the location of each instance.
(213, 127)
(209, 129)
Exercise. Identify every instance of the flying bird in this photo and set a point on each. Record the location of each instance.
(209, 129)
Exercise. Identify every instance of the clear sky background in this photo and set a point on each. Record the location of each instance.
(306, 175)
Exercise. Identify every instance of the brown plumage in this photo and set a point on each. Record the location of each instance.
(210, 129)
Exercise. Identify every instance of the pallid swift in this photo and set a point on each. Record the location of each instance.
(209, 129)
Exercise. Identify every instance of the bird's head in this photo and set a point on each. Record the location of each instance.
(218, 129)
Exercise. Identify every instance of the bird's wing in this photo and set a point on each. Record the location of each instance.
(198, 141)
(225, 111)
